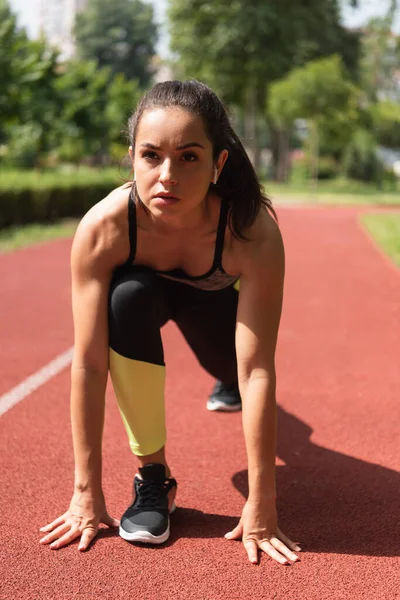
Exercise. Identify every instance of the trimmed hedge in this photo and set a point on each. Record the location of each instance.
(45, 197)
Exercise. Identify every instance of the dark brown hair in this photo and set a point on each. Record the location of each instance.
(238, 184)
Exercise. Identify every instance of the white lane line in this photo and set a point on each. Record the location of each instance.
(33, 382)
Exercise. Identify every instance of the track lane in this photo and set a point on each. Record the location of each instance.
(338, 392)
(35, 310)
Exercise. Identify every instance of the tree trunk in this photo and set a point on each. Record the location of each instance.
(252, 133)
(314, 152)
(280, 153)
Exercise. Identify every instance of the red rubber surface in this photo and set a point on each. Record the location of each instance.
(338, 392)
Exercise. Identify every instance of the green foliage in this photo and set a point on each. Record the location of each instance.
(43, 197)
(385, 117)
(250, 44)
(93, 110)
(319, 91)
(380, 58)
(122, 97)
(51, 111)
(23, 145)
(12, 43)
(120, 35)
(245, 46)
(81, 128)
(360, 159)
(27, 75)
(327, 168)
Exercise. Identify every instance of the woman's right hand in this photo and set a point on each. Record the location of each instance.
(86, 511)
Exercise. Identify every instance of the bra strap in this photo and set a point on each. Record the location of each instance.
(219, 245)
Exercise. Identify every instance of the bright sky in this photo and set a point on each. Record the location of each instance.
(28, 11)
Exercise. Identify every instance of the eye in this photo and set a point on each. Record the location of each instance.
(189, 157)
(150, 155)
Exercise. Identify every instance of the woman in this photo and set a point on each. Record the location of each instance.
(173, 245)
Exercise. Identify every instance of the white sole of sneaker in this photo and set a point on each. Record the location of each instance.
(145, 537)
(222, 407)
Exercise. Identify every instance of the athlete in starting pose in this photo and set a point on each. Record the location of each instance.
(173, 244)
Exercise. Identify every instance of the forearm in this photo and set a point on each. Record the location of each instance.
(87, 421)
(260, 433)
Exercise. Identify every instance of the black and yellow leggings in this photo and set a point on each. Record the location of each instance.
(140, 303)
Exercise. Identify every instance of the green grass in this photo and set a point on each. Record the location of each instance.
(62, 176)
(385, 230)
(334, 192)
(14, 238)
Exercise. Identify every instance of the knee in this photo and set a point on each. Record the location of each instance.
(131, 293)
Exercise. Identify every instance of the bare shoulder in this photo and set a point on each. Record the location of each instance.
(264, 252)
(101, 240)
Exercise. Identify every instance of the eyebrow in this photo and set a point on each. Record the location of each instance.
(180, 147)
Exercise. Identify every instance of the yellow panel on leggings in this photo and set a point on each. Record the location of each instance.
(139, 388)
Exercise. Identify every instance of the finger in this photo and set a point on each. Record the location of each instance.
(280, 546)
(270, 550)
(87, 536)
(289, 543)
(55, 534)
(65, 539)
(235, 534)
(110, 521)
(55, 523)
(252, 551)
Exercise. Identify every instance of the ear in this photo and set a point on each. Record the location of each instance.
(220, 164)
(131, 152)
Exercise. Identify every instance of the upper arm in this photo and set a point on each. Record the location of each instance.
(92, 264)
(260, 302)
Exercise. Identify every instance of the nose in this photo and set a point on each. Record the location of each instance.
(167, 174)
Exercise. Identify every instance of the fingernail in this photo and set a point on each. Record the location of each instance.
(227, 535)
(81, 547)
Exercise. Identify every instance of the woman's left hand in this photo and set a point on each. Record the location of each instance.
(258, 529)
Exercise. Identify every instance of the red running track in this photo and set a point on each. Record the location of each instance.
(338, 454)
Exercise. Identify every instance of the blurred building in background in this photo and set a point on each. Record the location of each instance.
(56, 23)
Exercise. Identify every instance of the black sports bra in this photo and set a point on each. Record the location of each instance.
(215, 279)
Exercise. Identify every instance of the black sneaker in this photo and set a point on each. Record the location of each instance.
(225, 397)
(147, 518)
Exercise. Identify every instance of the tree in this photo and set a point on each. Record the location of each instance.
(247, 45)
(24, 65)
(28, 70)
(120, 35)
(321, 93)
(380, 58)
(12, 42)
(385, 116)
(93, 109)
(81, 127)
(122, 97)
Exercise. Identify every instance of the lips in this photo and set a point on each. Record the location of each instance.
(166, 196)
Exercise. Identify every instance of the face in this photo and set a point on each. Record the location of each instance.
(173, 162)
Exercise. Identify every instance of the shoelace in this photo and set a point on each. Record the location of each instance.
(151, 493)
